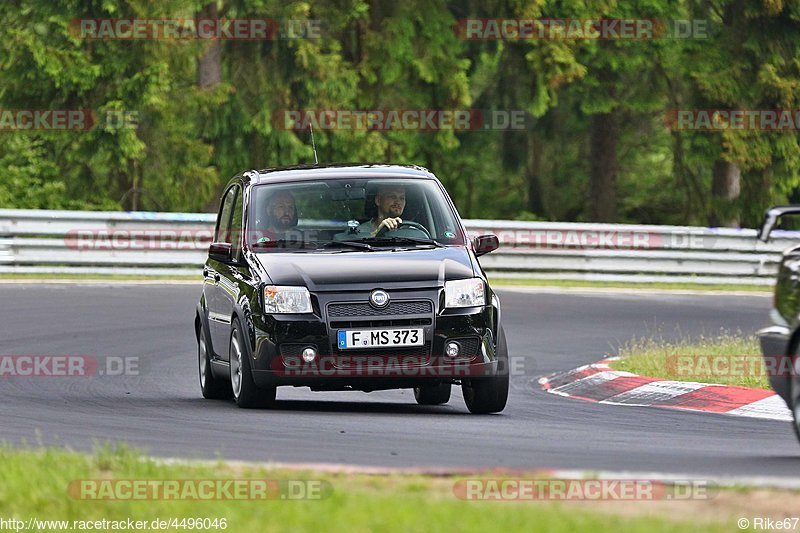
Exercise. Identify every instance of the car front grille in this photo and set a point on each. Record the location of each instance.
(396, 322)
(361, 309)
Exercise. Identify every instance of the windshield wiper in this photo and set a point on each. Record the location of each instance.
(347, 244)
(360, 244)
(404, 240)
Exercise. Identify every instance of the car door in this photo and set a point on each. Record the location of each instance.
(219, 316)
(229, 276)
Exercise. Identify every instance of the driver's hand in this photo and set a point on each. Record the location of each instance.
(390, 224)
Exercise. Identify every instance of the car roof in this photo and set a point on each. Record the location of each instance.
(341, 170)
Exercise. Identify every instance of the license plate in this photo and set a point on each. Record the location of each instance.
(380, 338)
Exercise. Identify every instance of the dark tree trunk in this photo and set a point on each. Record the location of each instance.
(603, 166)
(209, 65)
(726, 186)
(726, 177)
(209, 74)
(533, 175)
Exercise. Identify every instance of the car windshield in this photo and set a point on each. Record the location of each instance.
(354, 214)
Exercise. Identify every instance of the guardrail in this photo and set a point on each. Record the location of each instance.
(176, 244)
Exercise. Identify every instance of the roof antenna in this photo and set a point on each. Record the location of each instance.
(313, 144)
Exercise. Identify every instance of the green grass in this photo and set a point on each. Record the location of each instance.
(33, 483)
(727, 359)
(528, 282)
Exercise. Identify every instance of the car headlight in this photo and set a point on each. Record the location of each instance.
(464, 293)
(286, 299)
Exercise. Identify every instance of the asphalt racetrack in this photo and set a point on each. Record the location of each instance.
(161, 410)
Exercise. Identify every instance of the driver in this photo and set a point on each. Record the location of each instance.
(391, 201)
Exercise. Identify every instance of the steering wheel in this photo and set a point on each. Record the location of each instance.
(408, 225)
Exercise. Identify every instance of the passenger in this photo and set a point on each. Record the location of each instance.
(281, 217)
(281, 212)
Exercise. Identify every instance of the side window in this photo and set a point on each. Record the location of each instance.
(236, 225)
(223, 233)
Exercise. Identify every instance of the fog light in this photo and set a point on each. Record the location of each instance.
(309, 354)
(452, 349)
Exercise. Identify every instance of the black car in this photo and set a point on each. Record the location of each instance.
(780, 342)
(348, 277)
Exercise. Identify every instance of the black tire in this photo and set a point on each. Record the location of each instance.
(489, 395)
(211, 387)
(245, 392)
(432, 395)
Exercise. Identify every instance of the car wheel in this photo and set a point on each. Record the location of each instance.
(245, 392)
(432, 395)
(489, 395)
(212, 387)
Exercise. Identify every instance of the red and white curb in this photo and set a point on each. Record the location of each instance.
(599, 383)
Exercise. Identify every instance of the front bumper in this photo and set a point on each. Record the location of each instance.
(278, 341)
(774, 342)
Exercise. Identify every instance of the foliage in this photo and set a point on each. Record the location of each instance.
(182, 141)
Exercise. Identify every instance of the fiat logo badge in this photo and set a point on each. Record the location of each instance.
(379, 299)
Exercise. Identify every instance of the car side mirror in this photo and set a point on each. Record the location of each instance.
(220, 251)
(484, 244)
